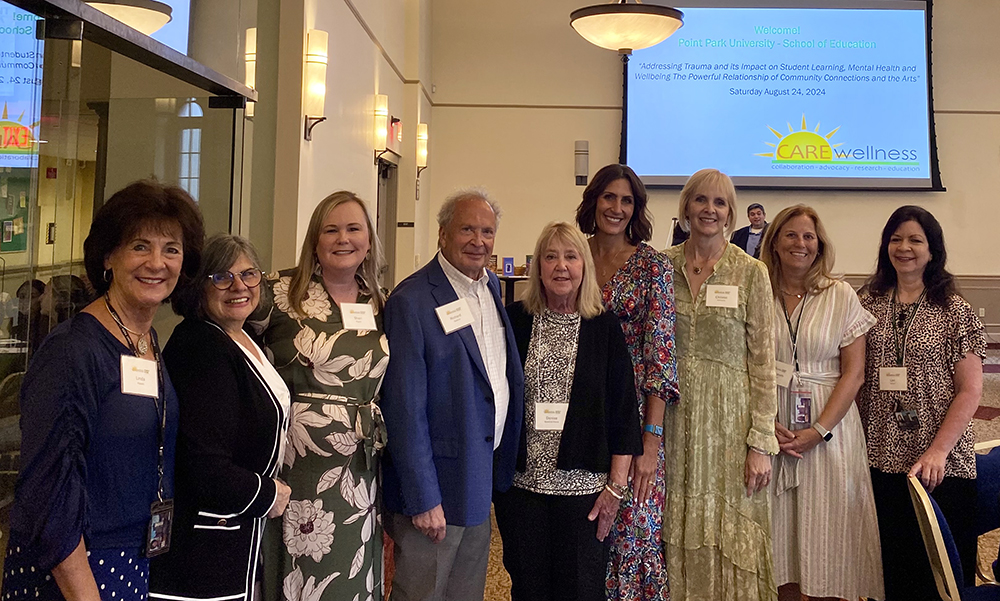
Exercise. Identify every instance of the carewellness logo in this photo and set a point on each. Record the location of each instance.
(805, 147)
(15, 137)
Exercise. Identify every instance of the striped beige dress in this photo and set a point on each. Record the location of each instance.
(825, 531)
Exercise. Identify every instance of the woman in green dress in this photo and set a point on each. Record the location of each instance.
(323, 332)
(720, 436)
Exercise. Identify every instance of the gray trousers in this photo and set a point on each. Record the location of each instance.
(451, 570)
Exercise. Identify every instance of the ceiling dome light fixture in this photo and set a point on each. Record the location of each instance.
(625, 26)
(145, 16)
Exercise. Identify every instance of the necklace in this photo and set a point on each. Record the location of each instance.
(614, 264)
(141, 344)
(786, 293)
(698, 270)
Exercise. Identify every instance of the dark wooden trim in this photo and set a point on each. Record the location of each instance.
(118, 37)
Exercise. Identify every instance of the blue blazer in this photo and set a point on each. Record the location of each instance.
(437, 402)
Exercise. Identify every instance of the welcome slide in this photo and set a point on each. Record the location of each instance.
(809, 97)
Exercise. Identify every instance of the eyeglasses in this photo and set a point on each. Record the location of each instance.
(224, 279)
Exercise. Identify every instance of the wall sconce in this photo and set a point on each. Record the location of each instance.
(314, 102)
(250, 57)
(422, 138)
(381, 125)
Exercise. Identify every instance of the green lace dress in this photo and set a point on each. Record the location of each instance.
(718, 541)
(330, 540)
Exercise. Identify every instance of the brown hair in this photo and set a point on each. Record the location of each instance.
(820, 275)
(640, 226)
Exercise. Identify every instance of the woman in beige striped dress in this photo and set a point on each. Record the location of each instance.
(824, 527)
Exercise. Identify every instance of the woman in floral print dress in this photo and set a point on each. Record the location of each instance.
(331, 352)
(637, 287)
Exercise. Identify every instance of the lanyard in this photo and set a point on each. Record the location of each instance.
(161, 407)
(904, 324)
(794, 334)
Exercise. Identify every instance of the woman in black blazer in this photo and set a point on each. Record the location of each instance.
(581, 427)
(233, 416)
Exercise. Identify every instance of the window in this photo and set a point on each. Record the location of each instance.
(190, 147)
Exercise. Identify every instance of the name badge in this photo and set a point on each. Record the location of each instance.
(722, 296)
(801, 409)
(783, 373)
(139, 377)
(550, 416)
(454, 316)
(357, 316)
(892, 378)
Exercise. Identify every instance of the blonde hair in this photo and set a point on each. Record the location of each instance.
(370, 269)
(820, 275)
(588, 299)
(698, 182)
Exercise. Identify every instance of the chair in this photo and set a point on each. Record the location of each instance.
(942, 552)
(988, 504)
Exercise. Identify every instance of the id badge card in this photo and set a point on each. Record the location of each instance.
(161, 522)
(722, 296)
(139, 377)
(357, 316)
(454, 315)
(783, 374)
(550, 416)
(907, 419)
(801, 409)
(892, 378)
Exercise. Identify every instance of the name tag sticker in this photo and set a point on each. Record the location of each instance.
(357, 316)
(892, 378)
(550, 416)
(783, 373)
(139, 377)
(722, 296)
(454, 316)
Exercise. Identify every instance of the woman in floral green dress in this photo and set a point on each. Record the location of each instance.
(331, 351)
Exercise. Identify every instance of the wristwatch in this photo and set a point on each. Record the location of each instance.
(826, 434)
(654, 430)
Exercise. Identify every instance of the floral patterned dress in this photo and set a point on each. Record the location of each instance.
(331, 534)
(641, 295)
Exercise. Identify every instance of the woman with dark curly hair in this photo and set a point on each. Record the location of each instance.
(99, 414)
(637, 286)
(923, 382)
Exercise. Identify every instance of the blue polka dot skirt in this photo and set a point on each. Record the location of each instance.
(121, 575)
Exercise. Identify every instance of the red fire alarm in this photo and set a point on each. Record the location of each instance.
(50, 173)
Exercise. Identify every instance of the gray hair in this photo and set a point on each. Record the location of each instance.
(447, 211)
(219, 254)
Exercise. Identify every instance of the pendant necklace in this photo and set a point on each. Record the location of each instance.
(787, 293)
(141, 344)
(698, 270)
(614, 262)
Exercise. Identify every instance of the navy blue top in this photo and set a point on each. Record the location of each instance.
(88, 452)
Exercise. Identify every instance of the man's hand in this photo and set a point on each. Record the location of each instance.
(431, 524)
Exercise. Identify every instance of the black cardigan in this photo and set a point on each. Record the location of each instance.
(227, 454)
(603, 415)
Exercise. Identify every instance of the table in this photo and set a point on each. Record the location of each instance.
(508, 286)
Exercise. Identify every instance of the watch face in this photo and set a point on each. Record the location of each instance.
(829, 435)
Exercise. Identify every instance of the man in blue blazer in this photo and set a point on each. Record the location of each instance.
(453, 401)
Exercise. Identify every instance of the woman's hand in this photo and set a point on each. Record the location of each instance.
(802, 442)
(929, 468)
(605, 510)
(643, 470)
(756, 472)
(785, 436)
(281, 495)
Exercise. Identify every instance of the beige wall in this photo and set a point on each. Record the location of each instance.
(512, 94)
(375, 47)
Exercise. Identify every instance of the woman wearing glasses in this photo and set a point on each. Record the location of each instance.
(323, 331)
(234, 411)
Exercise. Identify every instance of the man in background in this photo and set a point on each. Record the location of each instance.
(749, 237)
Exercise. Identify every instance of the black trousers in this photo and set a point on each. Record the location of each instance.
(905, 566)
(550, 549)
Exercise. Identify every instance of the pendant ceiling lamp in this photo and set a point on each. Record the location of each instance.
(626, 26)
(146, 16)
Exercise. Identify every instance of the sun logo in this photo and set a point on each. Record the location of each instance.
(801, 146)
(16, 138)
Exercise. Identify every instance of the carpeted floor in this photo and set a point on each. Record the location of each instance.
(986, 425)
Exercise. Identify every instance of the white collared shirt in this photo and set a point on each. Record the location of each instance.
(490, 336)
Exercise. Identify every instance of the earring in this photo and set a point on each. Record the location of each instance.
(108, 274)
